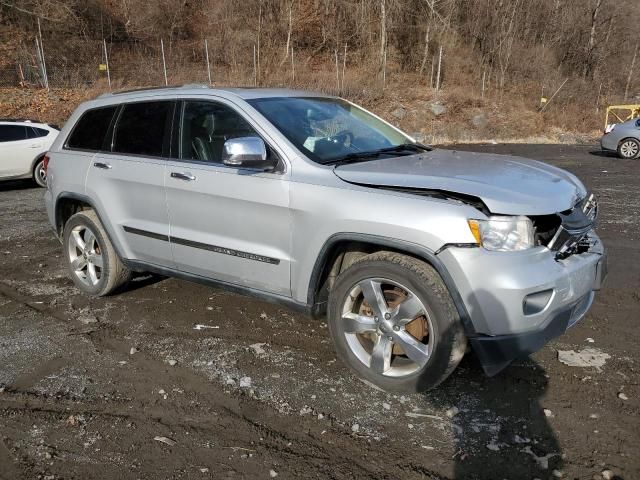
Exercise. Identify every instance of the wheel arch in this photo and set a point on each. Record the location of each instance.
(69, 203)
(330, 261)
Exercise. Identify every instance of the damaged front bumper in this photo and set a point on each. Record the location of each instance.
(519, 301)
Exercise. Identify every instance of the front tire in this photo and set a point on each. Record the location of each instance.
(629, 148)
(394, 323)
(39, 174)
(93, 264)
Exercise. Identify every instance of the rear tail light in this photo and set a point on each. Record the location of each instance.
(609, 128)
(45, 162)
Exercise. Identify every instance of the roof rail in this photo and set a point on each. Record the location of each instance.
(151, 89)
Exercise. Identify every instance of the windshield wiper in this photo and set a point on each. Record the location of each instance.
(363, 156)
(413, 147)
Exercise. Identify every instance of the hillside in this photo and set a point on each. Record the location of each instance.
(499, 58)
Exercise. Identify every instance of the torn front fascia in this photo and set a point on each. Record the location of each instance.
(572, 234)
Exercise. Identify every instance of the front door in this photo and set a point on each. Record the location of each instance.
(227, 223)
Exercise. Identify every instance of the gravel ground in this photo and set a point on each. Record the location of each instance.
(170, 379)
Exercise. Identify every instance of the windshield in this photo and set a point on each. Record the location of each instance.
(329, 130)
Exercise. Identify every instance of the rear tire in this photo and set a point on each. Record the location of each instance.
(416, 315)
(629, 148)
(93, 264)
(39, 174)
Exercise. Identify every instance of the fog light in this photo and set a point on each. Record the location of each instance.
(536, 302)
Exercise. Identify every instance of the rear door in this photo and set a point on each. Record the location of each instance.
(16, 150)
(227, 223)
(128, 180)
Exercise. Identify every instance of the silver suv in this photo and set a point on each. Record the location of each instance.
(313, 202)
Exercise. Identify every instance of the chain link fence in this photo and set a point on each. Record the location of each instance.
(79, 63)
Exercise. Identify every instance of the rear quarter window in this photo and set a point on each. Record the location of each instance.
(89, 133)
(35, 132)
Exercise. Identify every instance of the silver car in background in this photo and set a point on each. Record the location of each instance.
(310, 201)
(623, 138)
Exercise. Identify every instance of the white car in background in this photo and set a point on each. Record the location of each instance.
(23, 144)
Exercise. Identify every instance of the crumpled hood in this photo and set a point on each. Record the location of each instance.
(506, 184)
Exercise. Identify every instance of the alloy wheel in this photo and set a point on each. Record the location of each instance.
(387, 327)
(85, 255)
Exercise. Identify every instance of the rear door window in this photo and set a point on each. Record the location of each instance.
(12, 133)
(143, 128)
(90, 131)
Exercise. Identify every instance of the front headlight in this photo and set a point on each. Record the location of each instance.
(503, 234)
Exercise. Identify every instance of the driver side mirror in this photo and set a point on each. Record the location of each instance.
(248, 152)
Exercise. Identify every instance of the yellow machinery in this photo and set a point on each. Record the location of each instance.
(622, 113)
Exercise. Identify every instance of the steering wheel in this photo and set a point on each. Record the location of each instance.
(345, 138)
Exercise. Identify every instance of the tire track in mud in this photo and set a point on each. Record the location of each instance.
(335, 455)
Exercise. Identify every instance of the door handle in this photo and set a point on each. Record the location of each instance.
(102, 165)
(35, 145)
(183, 176)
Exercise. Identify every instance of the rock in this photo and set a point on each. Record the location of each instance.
(622, 396)
(399, 113)
(589, 340)
(165, 440)
(133, 351)
(209, 308)
(204, 470)
(355, 428)
(557, 474)
(263, 316)
(230, 381)
(87, 319)
(594, 416)
(452, 412)
(588, 357)
(306, 410)
(437, 108)
(479, 120)
(493, 446)
(161, 391)
(386, 406)
(547, 412)
(320, 416)
(172, 362)
(245, 382)
(607, 475)
(273, 473)
(257, 347)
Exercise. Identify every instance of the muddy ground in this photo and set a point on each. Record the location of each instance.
(247, 389)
